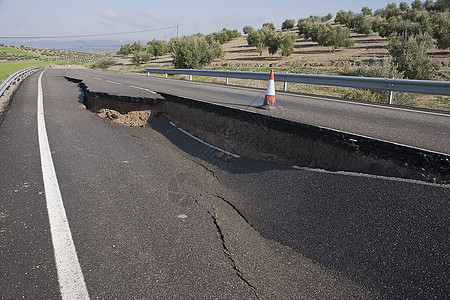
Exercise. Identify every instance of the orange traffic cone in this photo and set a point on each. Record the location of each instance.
(269, 99)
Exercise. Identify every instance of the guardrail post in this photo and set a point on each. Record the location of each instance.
(285, 86)
(391, 94)
(391, 97)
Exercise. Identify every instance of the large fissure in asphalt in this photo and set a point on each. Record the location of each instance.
(273, 139)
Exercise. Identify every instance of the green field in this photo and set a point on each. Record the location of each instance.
(16, 51)
(8, 69)
(13, 59)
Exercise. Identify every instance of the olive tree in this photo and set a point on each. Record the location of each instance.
(189, 52)
(409, 53)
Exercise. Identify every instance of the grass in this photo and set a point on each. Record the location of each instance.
(8, 69)
(16, 51)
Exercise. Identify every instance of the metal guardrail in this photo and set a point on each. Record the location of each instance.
(11, 79)
(386, 84)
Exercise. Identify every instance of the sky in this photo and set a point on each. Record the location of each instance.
(33, 18)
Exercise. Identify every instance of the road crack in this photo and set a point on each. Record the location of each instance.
(235, 209)
(228, 254)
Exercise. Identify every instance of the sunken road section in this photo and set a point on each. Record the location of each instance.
(263, 137)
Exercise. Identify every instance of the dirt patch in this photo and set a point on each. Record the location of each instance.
(133, 112)
(132, 118)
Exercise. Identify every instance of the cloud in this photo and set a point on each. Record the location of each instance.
(105, 11)
(110, 16)
(156, 17)
(287, 16)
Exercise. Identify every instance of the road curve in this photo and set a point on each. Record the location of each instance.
(155, 214)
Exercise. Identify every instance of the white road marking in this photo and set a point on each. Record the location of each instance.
(70, 277)
(112, 81)
(203, 142)
(355, 174)
(96, 78)
(141, 88)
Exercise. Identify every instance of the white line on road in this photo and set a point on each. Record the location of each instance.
(141, 88)
(355, 174)
(203, 142)
(112, 81)
(70, 277)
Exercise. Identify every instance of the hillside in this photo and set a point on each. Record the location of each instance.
(367, 52)
(308, 57)
(15, 58)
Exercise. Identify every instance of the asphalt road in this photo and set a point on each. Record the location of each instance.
(416, 128)
(154, 214)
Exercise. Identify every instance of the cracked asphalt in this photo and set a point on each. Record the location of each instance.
(154, 215)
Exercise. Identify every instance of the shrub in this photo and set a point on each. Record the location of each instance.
(254, 37)
(304, 26)
(189, 52)
(137, 47)
(403, 6)
(260, 42)
(366, 11)
(104, 63)
(410, 55)
(325, 34)
(442, 32)
(442, 5)
(362, 25)
(411, 15)
(222, 36)
(387, 69)
(269, 26)
(344, 18)
(157, 47)
(417, 5)
(272, 41)
(390, 11)
(426, 23)
(288, 24)
(438, 6)
(337, 37)
(261, 39)
(125, 49)
(140, 57)
(247, 29)
(326, 18)
(287, 44)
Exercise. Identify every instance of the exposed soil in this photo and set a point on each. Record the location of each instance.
(131, 118)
